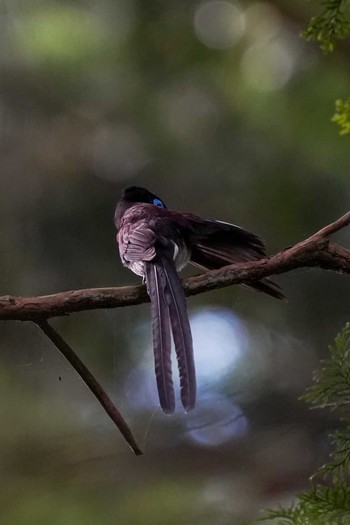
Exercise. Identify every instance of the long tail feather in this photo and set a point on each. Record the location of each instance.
(156, 283)
(182, 334)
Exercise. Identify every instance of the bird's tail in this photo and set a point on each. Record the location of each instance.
(168, 307)
(181, 333)
(155, 280)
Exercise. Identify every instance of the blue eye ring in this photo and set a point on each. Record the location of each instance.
(158, 202)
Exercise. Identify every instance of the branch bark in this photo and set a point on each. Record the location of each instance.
(315, 251)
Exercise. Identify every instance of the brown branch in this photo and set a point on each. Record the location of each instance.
(315, 251)
(335, 226)
(91, 382)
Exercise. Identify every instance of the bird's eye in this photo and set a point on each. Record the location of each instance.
(158, 202)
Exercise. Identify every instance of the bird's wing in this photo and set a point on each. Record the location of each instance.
(215, 244)
(136, 243)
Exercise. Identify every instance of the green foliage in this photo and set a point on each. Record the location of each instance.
(332, 382)
(330, 26)
(294, 515)
(327, 28)
(339, 466)
(342, 116)
(328, 502)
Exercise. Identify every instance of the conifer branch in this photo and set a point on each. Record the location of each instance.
(328, 501)
(330, 26)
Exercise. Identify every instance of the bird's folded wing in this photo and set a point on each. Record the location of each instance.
(215, 244)
(136, 242)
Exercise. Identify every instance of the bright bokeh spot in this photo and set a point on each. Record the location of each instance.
(268, 67)
(219, 24)
(218, 338)
(117, 152)
(263, 22)
(188, 112)
(216, 420)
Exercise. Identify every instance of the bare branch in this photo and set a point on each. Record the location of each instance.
(315, 251)
(334, 226)
(91, 382)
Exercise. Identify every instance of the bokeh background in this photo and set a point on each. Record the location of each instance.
(223, 110)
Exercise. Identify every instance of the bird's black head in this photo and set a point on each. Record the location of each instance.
(134, 195)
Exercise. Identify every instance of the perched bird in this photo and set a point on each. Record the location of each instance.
(155, 243)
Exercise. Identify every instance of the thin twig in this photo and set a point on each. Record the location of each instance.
(91, 382)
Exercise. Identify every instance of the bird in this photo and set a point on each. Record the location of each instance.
(156, 243)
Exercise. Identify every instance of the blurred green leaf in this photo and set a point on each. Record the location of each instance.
(342, 116)
(61, 34)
